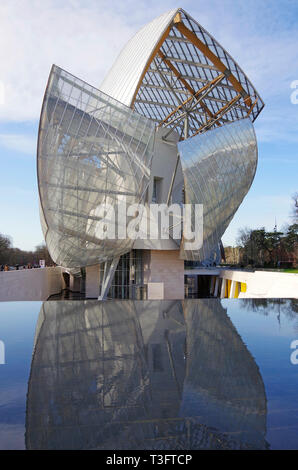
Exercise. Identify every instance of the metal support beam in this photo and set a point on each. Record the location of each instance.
(108, 274)
(173, 180)
(190, 77)
(185, 130)
(191, 62)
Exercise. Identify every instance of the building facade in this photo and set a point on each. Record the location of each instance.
(170, 126)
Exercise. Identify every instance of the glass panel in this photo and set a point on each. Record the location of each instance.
(219, 167)
(92, 150)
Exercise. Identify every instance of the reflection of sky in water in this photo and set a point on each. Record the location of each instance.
(267, 331)
(268, 328)
(17, 329)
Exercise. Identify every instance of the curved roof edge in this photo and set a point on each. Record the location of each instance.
(173, 68)
(132, 60)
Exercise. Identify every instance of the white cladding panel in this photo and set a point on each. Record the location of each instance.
(123, 78)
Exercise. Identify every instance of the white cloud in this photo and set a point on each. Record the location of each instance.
(85, 38)
(20, 142)
(35, 34)
(81, 37)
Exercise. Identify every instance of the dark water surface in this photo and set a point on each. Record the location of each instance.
(193, 374)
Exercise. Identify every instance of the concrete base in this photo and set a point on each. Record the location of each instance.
(166, 267)
(92, 281)
(163, 274)
(155, 290)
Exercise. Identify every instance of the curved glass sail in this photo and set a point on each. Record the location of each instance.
(218, 167)
(93, 154)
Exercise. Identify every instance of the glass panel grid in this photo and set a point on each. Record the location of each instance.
(219, 167)
(92, 150)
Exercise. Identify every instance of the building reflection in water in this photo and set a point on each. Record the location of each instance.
(142, 375)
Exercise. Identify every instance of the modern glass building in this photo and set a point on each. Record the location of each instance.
(172, 124)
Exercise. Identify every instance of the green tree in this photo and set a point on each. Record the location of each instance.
(252, 244)
(272, 242)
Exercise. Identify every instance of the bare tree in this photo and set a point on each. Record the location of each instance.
(295, 207)
(5, 245)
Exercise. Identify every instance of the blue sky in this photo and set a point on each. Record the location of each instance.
(84, 37)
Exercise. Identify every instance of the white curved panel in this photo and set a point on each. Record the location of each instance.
(122, 79)
(219, 167)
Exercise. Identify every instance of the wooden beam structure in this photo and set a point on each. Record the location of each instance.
(221, 112)
(182, 80)
(191, 36)
(227, 85)
(196, 94)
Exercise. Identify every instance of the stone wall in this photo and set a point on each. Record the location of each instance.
(92, 281)
(30, 284)
(166, 267)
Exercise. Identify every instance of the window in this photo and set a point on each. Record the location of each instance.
(156, 192)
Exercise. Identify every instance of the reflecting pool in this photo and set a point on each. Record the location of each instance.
(192, 374)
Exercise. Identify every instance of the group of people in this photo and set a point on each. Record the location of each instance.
(5, 267)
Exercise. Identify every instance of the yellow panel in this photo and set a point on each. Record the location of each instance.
(229, 287)
(243, 287)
